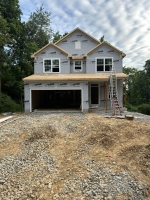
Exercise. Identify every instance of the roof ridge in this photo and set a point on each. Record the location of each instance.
(77, 28)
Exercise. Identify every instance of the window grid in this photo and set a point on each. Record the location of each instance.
(78, 65)
(51, 66)
(103, 64)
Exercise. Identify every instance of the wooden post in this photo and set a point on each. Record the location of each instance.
(125, 94)
(106, 96)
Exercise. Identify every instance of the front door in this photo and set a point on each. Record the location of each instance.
(94, 94)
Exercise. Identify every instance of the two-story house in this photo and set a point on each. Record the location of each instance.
(73, 73)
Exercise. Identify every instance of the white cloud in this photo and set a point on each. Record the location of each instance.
(124, 23)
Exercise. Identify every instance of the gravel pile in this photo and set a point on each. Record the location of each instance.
(34, 172)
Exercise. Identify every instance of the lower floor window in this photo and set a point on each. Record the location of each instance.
(103, 64)
(51, 66)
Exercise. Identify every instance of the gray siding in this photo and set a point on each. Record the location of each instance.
(103, 51)
(68, 44)
(51, 52)
(27, 97)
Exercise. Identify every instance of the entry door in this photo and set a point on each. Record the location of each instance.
(57, 99)
(94, 94)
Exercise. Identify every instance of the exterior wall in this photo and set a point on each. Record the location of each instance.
(68, 44)
(91, 60)
(84, 87)
(57, 86)
(27, 97)
(51, 52)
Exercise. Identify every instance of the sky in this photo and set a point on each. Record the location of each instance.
(124, 23)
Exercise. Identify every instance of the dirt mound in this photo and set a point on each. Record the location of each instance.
(75, 157)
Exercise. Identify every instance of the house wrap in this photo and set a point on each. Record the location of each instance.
(73, 73)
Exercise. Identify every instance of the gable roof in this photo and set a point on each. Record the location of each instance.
(48, 45)
(105, 42)
(77, 29)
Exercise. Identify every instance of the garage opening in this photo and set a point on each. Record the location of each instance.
(61, 99)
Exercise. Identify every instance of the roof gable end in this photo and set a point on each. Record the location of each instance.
(48, 45)
(77, 29)
(107, 43)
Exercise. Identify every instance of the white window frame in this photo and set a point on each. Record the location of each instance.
(104, 63)
(52, 66)
(75, 70)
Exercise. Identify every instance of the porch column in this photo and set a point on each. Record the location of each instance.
(106, 96)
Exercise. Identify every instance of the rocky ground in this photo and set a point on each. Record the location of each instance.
(74, 156)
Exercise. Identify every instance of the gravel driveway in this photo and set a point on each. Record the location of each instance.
(69, 156)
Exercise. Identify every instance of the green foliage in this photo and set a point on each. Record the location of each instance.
(144, 109)
(138, 85)
(8, 105)
(38, 27)
(57, 36)
(24, 38)
(131, 108)
(101, 39)
(4, 33)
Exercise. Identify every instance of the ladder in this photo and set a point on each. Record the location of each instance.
(113, 93)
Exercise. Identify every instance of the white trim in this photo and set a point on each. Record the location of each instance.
(104, 63)
(30, 100)
(74, 66)
(51, 68)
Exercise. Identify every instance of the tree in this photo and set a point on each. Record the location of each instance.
(57, 36)
(38, 27)
(138, 85)
(101, 39)
(9, 25)
(4, 38)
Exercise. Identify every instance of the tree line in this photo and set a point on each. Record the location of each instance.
(18, 41)
(137, 88)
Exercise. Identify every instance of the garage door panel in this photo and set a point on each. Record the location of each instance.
(56, 99)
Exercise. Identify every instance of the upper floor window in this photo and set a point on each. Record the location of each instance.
(77, 65)
(103, 64)
(51, 65)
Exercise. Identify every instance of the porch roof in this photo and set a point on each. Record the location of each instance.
(72, 77)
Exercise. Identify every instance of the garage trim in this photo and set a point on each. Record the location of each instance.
(54, 88)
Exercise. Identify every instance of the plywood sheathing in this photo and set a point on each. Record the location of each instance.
(72, 77)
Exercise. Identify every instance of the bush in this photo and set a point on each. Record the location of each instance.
(8, 105)
(132, 108)
(144, 109)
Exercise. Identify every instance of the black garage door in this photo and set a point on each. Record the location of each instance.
(56, 99)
